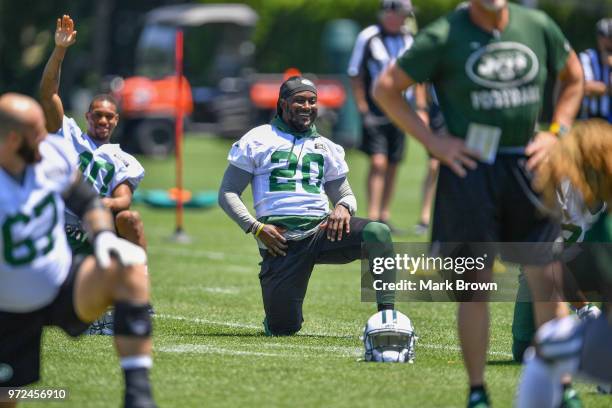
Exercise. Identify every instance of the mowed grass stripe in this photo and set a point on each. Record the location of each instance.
(196, 281)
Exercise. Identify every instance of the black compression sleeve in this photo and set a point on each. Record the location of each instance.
(81, 198)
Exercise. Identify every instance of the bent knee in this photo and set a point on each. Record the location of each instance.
(128, 218)
(284, 330)
(376, 232)
(282, 326)
(379, 163)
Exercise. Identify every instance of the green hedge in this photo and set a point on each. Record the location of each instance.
(289, 32)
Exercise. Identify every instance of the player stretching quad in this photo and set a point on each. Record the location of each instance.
(113, 173)
(489, 63)
(293, 170)
(41, 284)
(566, 345)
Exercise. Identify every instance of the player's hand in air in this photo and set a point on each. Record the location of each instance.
(107, 243)
(272, 238)
(453, 152)
(65, 35)
(337, 223)
(538, 149)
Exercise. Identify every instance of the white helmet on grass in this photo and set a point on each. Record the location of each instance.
(389, 337)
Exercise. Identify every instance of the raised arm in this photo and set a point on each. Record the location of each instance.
(65, 36)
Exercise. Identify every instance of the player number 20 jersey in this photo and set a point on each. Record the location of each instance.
(35, 257)
(289, 172)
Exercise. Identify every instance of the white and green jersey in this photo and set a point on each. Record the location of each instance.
(289, 171)
(35, 257)
(105, 166)
(576, 218)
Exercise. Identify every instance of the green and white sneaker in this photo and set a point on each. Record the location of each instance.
(478, 399)
(103, 326)
(588, 312)
(571, 399)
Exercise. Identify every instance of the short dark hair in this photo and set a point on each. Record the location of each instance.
(103, 98)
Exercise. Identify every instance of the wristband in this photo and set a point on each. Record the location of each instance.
(259, 229)
(348, 207)
(558, 129)
(102, 232)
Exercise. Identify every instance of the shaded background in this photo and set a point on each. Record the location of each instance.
(288, 34)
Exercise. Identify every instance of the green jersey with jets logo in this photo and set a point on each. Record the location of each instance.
(492, 79)
(35, 257)
(289, 169)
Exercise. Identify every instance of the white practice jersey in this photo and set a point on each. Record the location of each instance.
(289, 173)
(105, 166)
(576, 218)
(35, 257)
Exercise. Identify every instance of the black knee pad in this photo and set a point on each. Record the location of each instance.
(132, 320)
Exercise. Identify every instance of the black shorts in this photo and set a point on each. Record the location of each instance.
(494, 203)
(20, 333)
(284, 279)
(385, 139)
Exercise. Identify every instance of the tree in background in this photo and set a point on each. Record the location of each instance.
(288, 34)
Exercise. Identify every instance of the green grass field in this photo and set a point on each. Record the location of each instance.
(209, 345)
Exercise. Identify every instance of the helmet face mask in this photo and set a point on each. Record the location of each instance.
(389, 337)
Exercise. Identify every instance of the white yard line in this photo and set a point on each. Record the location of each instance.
(340, 349)
(187, 252)
(208, 321)
(205, 349)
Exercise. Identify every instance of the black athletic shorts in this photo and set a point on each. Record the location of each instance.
(284, 279)
(20, 333)
(383, 138)
(494, 203)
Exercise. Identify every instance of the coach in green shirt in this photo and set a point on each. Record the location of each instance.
(489, 63)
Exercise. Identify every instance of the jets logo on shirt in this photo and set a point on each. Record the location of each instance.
(320, 146)
(502, 65)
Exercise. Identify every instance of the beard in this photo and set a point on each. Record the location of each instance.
(28, 153)
(299, 123)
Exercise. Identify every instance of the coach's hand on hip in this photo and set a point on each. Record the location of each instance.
(538, 149)
(452, 152)
(272, 238)
(337, 223)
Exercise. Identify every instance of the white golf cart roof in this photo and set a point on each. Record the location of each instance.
(187, 15)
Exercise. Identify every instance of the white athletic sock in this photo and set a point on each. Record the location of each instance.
(540, 385)
(132, 362)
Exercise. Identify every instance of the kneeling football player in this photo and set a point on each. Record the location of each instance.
(293, 170)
